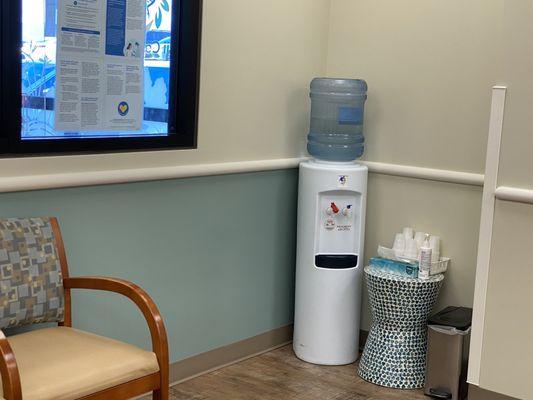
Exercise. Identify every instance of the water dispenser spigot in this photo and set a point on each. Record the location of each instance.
(334, 208)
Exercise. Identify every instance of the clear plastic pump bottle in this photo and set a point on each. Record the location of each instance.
(337, 110)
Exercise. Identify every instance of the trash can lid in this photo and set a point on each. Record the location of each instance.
(455, 317)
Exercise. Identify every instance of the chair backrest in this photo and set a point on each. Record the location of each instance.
(31, 281)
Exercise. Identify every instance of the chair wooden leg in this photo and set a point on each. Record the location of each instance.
(161, 394)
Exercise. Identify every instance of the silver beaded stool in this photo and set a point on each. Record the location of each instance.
(395, 351)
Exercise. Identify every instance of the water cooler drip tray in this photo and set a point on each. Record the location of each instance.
(336, 261)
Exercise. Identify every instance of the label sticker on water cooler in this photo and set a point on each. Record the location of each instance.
(343, 181)
(331, 225)
(344, 228)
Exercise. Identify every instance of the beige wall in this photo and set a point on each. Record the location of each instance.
(507, 357)
(507, 353)
(257, 60)
(517, 142)
(429, 66)
(449, 210)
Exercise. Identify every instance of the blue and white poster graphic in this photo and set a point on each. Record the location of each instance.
(115, 27)
(100, 72)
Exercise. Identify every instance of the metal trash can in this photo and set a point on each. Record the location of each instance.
(447, 356)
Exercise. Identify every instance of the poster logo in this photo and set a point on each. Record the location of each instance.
(123, 109)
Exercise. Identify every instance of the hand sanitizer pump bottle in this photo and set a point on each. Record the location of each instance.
(331, 222)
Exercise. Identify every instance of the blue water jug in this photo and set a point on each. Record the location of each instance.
(337, 110)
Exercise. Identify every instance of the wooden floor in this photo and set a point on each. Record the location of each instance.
(280, 375)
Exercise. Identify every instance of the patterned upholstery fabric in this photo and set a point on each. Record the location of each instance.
(31, 284)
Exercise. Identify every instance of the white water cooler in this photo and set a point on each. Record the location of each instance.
(329, 269)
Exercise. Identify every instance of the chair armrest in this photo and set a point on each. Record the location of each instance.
(140, 298)
(9, 371)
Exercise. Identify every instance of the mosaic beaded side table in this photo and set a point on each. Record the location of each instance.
(395, 351)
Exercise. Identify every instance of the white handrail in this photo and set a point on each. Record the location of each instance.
(441, 175)
(107, 177)
(514, 194)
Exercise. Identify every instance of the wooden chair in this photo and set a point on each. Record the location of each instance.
(62, 363)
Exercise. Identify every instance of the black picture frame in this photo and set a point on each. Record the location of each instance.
(183, 103)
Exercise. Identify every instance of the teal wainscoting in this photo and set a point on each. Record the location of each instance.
(217, 254)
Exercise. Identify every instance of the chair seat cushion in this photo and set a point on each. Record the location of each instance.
(63, 363)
